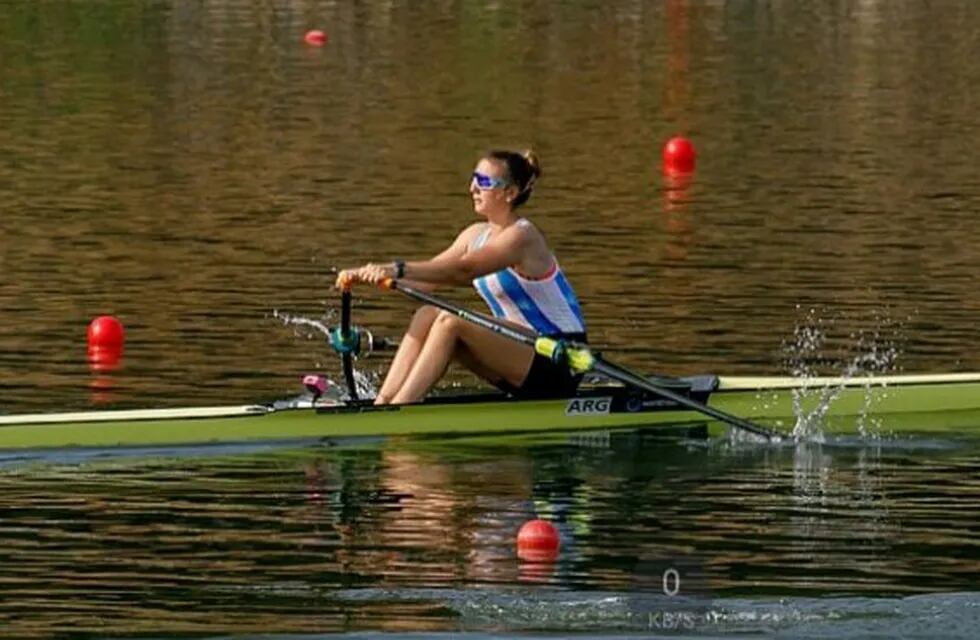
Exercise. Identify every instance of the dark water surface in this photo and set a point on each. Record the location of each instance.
(419, 536)
(197, 170)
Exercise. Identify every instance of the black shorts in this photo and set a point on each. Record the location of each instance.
(546, 378)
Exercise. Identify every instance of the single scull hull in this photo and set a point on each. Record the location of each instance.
(887, 404)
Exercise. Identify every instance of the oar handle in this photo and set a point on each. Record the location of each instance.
(579, 358)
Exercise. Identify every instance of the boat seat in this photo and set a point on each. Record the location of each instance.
(705, 383)
(689, 384)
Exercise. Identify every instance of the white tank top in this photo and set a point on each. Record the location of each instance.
(546, 304)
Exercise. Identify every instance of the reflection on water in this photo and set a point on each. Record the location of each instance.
(193, 167)
(318, 540)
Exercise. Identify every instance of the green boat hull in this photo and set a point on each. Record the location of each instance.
(881, 406)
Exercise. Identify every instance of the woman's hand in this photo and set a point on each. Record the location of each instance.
(371, 273)
(346, 279)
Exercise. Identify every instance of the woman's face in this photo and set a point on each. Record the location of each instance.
(490, 188)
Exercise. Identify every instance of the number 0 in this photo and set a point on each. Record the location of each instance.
(672, 582)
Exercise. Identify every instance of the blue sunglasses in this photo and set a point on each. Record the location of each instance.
(483, 181)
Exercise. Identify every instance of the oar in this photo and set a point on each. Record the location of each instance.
(350, 341)
(579, 358)
(345, 337)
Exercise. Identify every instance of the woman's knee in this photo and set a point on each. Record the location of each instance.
(447, 321)
(422, 319)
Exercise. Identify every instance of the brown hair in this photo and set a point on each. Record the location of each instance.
(523, 169)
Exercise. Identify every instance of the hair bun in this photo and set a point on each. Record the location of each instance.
(532, 162)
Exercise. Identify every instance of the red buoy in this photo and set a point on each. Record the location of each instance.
(105, 333)
(679, 155)
(538, 541)
(315, 38)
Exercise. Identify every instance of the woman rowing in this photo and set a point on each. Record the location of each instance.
(508, 261)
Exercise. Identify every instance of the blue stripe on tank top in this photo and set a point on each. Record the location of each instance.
(481, 285)
(531, 311)
(566, 290)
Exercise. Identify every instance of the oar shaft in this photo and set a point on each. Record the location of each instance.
(470, 316)
(628, 377)
(347, 358)
(580, 358)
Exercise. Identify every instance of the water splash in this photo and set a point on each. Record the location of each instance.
(844, 349)
(299, 322)
(366, 381)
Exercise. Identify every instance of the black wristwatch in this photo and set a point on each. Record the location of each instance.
(399, 269)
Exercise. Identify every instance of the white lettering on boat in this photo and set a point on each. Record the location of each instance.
(588, 406)
(657, 404)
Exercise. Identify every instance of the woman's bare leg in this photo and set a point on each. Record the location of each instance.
(407, 354)
(491, 355)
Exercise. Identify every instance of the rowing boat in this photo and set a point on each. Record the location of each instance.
(886, 404)
(620, 399)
